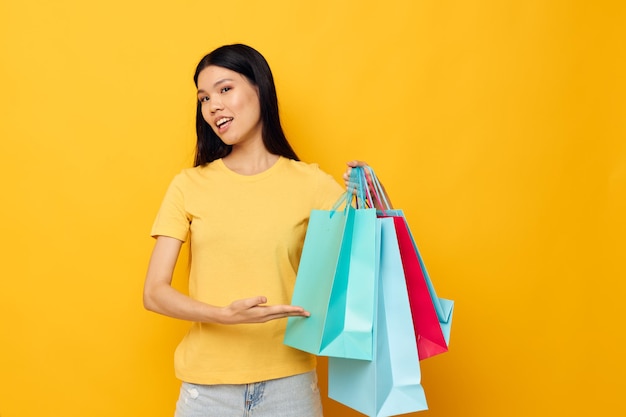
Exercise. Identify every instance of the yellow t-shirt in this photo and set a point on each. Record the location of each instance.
(246, 235)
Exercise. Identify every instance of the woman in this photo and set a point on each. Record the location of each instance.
(245, 207)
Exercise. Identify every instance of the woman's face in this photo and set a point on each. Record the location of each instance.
(230, 105)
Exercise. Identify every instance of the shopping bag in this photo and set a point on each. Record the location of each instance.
(428, 330)
(335, 283)
(389, 384)
(443, 307)
(432, 316)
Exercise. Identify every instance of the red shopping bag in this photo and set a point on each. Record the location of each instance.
(428, 332)
(431, 322)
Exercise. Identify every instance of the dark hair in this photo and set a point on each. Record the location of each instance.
(250, 63)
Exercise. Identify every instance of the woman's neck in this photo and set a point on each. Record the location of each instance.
(248, 161)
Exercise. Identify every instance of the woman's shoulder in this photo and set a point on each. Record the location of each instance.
(202, 170)
(305, 168)
(191, 175)
(310, 173)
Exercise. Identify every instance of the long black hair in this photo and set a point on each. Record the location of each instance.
(251, 64)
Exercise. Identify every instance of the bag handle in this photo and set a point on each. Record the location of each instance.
(363, 190)
(372, 188)
(352, 196)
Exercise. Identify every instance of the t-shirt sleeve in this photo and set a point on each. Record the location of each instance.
(328, 191)
(172, 220)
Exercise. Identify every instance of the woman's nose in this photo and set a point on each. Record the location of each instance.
(216, 104)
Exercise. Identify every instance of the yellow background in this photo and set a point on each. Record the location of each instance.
(498, 126)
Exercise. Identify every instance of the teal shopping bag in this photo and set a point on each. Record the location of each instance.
(389, 384)
(335, 283)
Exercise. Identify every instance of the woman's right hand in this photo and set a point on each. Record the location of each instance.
(255, 310)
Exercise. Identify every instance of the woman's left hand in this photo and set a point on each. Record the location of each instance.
(346, 179)
(351, 164)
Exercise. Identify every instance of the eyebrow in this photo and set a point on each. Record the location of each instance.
(218, 82)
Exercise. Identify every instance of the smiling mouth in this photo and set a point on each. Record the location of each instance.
(221, 122)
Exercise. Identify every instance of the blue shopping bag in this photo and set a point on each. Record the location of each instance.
(389, 384)
(335, 283)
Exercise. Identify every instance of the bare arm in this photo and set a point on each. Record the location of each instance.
(159, 295)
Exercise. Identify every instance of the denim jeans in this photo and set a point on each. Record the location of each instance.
(293, 396)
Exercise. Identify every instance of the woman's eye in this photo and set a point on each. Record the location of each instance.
(204, 99)
(225, 89)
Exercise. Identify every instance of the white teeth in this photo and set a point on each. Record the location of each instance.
(222, 121)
